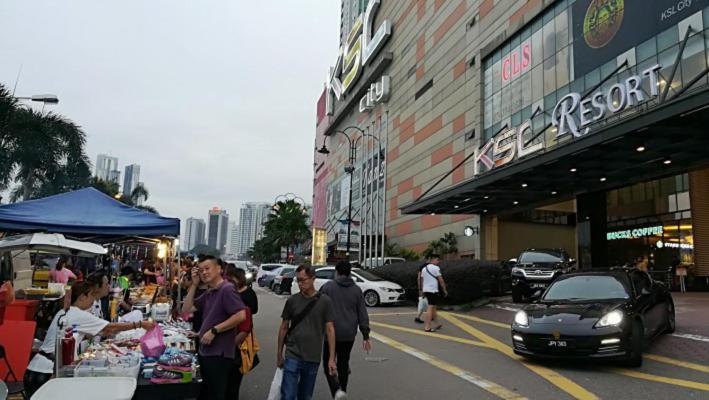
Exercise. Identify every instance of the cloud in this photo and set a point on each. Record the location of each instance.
(214, 99)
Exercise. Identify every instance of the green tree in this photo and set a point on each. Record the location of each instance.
(394, 250)
(139, 192)
(287, 225)
(445, 246)
(42, 153)
(107, 187)
(264, 250)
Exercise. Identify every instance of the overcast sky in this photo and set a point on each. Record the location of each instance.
(215, 99)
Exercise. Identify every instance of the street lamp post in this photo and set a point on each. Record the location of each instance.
(350, 168)
(42, 98)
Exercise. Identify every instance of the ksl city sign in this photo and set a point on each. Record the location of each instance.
(359, 49)
(572, 115)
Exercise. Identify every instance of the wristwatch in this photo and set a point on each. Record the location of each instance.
(214, 331)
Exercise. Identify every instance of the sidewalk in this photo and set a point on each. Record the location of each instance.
(692, 312)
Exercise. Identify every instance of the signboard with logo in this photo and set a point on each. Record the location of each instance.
(361, 45)
(603, 29)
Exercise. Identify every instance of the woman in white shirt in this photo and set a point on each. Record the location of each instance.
(41, 367)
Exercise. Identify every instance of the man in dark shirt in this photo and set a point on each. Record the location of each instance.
(222, 311)
(350, 313)
(303, 335)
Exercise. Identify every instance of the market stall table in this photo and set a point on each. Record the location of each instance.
(167, 391)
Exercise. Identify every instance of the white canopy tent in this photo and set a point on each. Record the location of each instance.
(52, 243)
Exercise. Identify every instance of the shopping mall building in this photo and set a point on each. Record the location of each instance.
(538, 123)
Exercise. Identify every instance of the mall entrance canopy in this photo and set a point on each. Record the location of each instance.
(650, 141)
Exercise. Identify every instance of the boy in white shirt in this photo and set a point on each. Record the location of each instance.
(431, 280)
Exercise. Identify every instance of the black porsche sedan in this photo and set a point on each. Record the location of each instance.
(597, 315)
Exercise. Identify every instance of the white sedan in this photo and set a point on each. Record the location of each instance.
(376, 290)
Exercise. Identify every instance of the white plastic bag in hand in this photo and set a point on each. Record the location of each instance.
(275, 392)
(423, 304)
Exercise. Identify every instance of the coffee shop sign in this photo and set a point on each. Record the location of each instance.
(359, 49)
(572, 115)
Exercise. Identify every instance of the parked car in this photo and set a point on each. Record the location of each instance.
(536, 269)
(595, 315)
(375, 289)
(282, 283)
(280, 273)
(381, 261)
(268, 269)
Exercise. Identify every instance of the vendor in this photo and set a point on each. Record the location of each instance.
(61, 273)
(41, 367)
(100, 290)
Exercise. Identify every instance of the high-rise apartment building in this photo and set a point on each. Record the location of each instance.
(252, 216)
(217, 234)
(233, 243)
(194, 233)
(131, 178)
(107, 168)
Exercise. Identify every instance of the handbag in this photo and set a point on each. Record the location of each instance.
(275, 392)
(249, 353)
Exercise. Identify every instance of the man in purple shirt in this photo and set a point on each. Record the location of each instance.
(222, 311)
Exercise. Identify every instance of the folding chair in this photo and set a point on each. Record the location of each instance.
(15, 386)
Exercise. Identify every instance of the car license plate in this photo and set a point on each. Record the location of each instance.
(538, 285)
(559, 344)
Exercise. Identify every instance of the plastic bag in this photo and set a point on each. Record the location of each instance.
(423, 304)
(152, 343)
(275, 392)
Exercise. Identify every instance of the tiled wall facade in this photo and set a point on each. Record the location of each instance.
(436, 43)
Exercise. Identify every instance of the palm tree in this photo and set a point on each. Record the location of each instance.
(287, 226)
(8, 105)
(138, 192)
(45, 153)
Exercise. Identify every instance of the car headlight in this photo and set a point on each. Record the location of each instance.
(521, 318)
(613, 318)
(517, 271)
(249, 275)
(386, 289)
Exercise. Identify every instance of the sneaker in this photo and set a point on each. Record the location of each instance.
(340, 394)
(162, 376)
(418, 320)
(177, 362)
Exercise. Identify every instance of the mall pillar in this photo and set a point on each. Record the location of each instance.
(699, 198)
(591, 230)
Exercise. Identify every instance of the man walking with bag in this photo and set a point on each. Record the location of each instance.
(307, 317)
(432, 280)
(350, 312)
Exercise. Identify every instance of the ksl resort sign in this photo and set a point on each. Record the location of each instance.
(361, 46)
(572, 115)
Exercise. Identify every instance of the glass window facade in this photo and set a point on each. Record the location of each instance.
(535, 68)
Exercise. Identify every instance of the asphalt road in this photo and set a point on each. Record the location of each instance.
(471, 358)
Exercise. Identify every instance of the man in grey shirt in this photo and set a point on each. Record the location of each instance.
(350, 312)
(306, 317)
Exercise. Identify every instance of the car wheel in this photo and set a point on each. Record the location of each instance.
(371, 298)
(277, 289)
(635, 358)
(516, 296)
(670, 317)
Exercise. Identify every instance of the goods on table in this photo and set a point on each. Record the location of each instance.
(173, 366)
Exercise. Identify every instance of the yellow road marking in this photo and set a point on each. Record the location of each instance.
(431, 334)
(478, 381)
(662, 379)
(558, 380)
(483, 321)
(393, 313)
(678, 363)
(654, 357)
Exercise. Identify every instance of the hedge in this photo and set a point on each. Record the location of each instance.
(467, 280)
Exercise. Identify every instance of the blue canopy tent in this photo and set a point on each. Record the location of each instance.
(85, 212)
